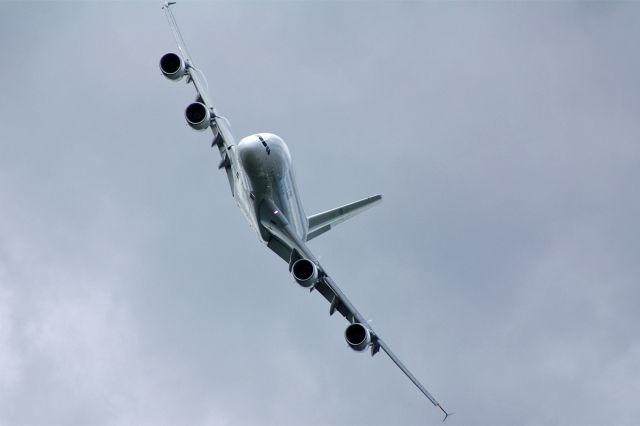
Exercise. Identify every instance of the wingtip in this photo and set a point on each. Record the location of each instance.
(445, 413)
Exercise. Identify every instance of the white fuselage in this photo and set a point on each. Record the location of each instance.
(264, 176)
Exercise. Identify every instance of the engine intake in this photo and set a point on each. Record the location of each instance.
(172, 66)
(198, 116)
(357, 336)
(305, 272)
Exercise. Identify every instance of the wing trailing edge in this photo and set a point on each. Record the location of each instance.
(323, 222)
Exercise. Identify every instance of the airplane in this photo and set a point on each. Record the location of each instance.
(262, 182)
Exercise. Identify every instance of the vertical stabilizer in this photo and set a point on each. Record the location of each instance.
(322, 222)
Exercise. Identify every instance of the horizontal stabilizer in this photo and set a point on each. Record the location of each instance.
(322, 222)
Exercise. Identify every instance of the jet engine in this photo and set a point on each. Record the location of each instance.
(198, 116)
(357, 336)
(305, 272)
(172, 66)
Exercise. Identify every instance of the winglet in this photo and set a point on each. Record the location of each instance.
(445, 413)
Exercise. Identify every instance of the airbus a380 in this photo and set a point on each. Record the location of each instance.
(262, 182)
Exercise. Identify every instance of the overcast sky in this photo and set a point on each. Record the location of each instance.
(502, 267)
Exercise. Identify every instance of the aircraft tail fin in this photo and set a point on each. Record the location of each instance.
(322, 222)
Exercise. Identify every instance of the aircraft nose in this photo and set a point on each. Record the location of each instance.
(264, 153)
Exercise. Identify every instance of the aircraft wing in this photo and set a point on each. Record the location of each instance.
(339, 302)
(290, 248)
(220, 126)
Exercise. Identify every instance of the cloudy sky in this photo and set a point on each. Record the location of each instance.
(503, 265)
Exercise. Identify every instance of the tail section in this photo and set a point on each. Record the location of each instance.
(322, 222)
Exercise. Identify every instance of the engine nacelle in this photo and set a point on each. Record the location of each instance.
(198, 116)
(357, 336)
(172, 66)
(305, 272)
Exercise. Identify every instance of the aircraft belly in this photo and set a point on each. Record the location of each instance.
(280, 192)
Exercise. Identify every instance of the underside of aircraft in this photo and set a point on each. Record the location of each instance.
(261, 179)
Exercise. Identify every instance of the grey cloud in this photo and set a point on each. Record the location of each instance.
(502, 265)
